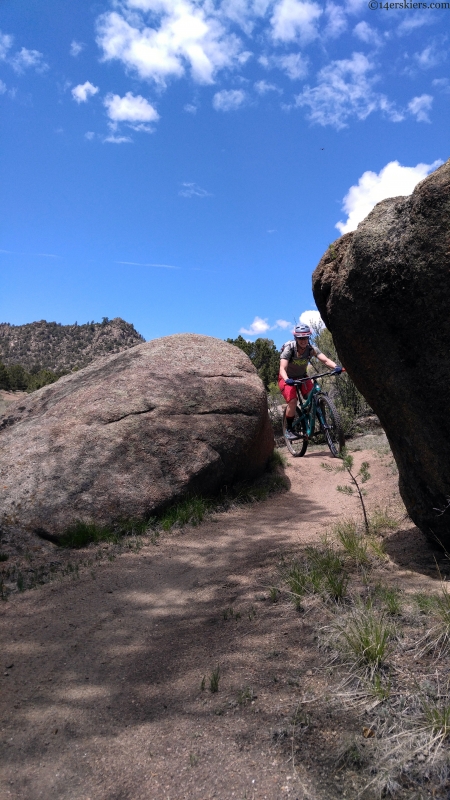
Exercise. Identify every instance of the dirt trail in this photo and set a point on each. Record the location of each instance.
(101, 676)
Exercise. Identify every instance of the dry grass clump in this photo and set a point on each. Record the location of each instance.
(388, 663)
(364, 635)
(353, 541)
(321, 572)
(326, 570)
(437, 638)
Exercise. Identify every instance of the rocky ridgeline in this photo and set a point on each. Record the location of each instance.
(62, 348)
(132, 432)
(384, 293)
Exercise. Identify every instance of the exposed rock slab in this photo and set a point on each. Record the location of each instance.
(132, 432)
(61, 348)
(384, 293)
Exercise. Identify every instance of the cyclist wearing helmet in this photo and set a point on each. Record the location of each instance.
(295, 357)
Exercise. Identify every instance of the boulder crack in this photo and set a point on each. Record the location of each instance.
(222, 412)
(130, 414)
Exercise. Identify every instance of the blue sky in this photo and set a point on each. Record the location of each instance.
(183, 164)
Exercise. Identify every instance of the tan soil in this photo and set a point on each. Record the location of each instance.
(101, 675)
(6, 398)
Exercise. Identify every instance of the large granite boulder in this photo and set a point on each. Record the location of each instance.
(131, 432)
(384, 293)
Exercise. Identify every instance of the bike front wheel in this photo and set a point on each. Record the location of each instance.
(330, 425)
(297, 447)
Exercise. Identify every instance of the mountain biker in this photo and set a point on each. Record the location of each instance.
(295, 357)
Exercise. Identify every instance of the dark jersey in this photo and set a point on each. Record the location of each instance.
(297, 365)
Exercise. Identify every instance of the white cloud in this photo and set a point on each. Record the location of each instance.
(84, 91)
(5, 44)
(262, 87)
(420, 106)
(294, 20)
(181, 33)
(412, 22)
(244, 12)
(113, 139)
(442, 84)
(89, 135)
(132, 109)
(430, 56)
(355, 6)
(312, 318)
(293, 64)
(28, 59)
(193, 190)
(23, 59)
(258, 326)
(344, 90)
(229, 100)
(393, 180)
(139, 264)
(42, 255)
(367, 34)
(2, 87)
(337, 21)
(76, 48)
(190, 108)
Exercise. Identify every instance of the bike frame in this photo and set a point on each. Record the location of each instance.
(308, 406)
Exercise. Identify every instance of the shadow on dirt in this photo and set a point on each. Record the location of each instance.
(114, 664)
(410, 549)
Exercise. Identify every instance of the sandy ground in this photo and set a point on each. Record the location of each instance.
(6, 398)
(101, 676)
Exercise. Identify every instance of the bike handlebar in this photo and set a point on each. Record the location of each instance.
(314, 377)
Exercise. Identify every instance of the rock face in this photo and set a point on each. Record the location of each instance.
(61, 348)
(131, 432)
(384, 293)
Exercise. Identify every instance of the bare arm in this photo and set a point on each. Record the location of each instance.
(283, 364)
(329, 363)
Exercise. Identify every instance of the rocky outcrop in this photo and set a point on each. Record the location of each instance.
(62, 348)
(384, 293)
(132, 432)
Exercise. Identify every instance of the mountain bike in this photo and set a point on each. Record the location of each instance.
(315, 417)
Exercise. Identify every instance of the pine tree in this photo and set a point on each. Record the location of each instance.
(4, 377)
(264, 356)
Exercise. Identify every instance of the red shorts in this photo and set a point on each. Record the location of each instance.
(290, 393)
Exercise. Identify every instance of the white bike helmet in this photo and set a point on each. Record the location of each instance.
(302, 332)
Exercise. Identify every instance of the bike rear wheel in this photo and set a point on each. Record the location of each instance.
(297, 447)
(330, 425)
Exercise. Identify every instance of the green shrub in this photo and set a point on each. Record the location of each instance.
(81, 534)
(18, 378)
(4, 377)
(349, 401)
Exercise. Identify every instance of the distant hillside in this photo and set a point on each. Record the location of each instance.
(61, 348)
